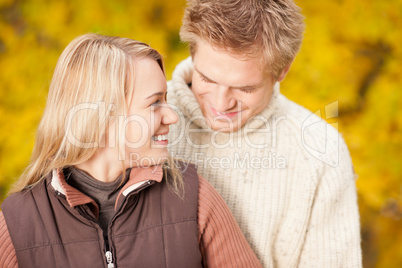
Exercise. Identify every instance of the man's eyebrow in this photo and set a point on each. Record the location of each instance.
(204, 76)
(160, 93)
(237, 87)
(250, 86)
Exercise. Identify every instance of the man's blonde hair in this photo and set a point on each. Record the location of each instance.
(93, 68)
(270, 29)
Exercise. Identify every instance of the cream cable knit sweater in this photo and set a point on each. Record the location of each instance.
(287, 177)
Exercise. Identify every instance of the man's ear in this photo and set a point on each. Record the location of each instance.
(283, 74)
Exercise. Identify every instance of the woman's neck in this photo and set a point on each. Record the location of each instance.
(103, 165)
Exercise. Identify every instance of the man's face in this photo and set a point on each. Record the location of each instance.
(229, 89)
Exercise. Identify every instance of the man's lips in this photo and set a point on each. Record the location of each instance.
(227, 115)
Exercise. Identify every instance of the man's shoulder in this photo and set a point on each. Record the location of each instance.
(314, 135)
(181, 77)
(307, 123)
(178, 92)
(293, 111)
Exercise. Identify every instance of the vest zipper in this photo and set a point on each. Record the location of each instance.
(109, 259)
(108, 254)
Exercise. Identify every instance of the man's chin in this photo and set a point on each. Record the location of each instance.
(224, 127)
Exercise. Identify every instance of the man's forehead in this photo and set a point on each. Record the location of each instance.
(204, 47)
(237, 73)
(248, 82)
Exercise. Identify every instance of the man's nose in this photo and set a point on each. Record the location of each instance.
(223, 99)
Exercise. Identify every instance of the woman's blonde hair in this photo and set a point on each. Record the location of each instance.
(93, 68)
(268, 29)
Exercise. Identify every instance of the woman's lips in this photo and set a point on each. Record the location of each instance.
(160, 139)
(165, 142)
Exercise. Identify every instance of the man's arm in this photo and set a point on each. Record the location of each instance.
(333, 235)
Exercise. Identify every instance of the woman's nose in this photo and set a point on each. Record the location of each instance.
(169, 116)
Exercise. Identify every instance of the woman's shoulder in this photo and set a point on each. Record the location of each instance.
(21, 198)
(188, 170)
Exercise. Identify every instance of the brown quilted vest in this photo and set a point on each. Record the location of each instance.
(153, 227)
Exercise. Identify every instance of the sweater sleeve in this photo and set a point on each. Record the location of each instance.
(8, 259)
(333, 235)
(222, 243)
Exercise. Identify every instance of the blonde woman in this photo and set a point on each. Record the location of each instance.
(100, 190)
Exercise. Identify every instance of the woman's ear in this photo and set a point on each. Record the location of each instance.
(283, 74)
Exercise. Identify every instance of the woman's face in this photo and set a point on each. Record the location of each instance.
(147, 123)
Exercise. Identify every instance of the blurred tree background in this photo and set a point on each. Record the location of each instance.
(351, 54)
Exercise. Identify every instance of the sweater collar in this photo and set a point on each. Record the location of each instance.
(188, 105)
(138, 177)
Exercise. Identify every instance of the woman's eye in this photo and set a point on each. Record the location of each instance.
(156, 102)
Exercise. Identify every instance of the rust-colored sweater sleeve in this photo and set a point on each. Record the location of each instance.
(8, 259)
(222, 243)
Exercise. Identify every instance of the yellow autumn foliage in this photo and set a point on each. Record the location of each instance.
(351, 54)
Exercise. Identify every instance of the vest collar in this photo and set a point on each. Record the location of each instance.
(138, 177)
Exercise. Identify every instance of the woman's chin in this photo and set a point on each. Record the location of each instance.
(150, 160)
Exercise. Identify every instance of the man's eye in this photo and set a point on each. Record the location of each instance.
(205, 80)
(246, 90)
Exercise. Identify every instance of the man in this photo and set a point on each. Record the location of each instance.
(285, 174)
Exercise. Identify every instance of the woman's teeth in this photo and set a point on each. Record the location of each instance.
(159, 138)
